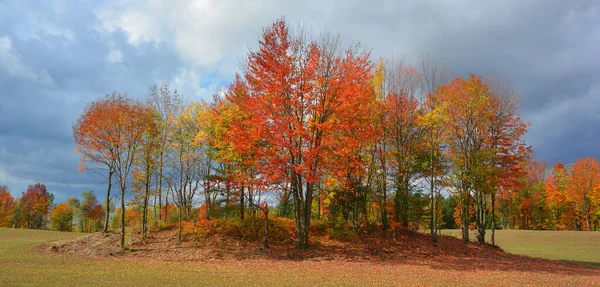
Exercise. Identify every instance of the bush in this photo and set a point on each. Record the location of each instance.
(342, 231)
(251, 230)
(61, 218)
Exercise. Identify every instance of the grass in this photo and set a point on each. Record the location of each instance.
(22, 265)
(572, 246)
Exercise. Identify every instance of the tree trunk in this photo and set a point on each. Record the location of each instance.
(432, 221)
(166, 204)
(266, 238)
(242, 203)
(493, 218)
(301, 212)
(160, 183)
(227, 193)
(110, 173)
(465, 217)
(384, 219)
(122, 216)
(480, 217)
(180, 219)
(145, 207)
(432, 187)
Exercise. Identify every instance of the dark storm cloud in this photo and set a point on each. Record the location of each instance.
(36, 116)
(62, 55)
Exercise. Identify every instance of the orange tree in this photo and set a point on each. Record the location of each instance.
(298, 94)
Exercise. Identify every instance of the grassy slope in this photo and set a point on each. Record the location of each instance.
(21, 265)
(574, 246)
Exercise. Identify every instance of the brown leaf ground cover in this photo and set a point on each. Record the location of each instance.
(407, 248)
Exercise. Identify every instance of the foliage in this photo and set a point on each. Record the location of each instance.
(7, 206)
(61, 218)
(36, 205)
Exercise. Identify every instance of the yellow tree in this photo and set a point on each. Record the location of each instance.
(184, 161)
(146, 163)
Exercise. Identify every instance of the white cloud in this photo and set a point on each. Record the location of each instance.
(202, 32)
(54, 30)
(139, 26)
(114, 56)
(12, 65)
(37, 26)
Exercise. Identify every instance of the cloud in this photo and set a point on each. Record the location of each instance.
(114, 56)
(12, 65)
(202, 32)
(56, 58)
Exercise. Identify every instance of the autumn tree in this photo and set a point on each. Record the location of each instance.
(403, 134)
(531, 197)
(507, 154)
(184, 161)
(7, 207)
(556, 195)
(167, 104)
(96, 136)
(91, 212)
(109, 133)
(483, 137)
(36, 205)
(582, 189)
(76, 206)
(130, 127)
(433, 75)
(299, 93)
(61, 218)
(146, 164)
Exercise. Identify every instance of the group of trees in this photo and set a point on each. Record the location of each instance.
(321, 132)
(29, 211)
(561, 198)
(36, 210)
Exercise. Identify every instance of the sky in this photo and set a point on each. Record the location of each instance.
(58, 56)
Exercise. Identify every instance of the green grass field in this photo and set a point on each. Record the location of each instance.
(573, 246)
(22, 265)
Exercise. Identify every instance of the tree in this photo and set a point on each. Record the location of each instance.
(299, 94)
(7, 207)
(96, 136)
(109, 133)
(508, 153)
(404, 135)
(76, 206)
(556, 194)
(581, 189)
(36, 205)
(146, 165)
(130, 128)
(483, 138)
(91, 212)
(62, 217)
(432, 122)
(185, 161)
(167, 105)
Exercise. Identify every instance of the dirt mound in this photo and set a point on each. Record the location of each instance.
(95, 244)
(163, 245)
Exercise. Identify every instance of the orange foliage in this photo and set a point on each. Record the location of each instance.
(7, 206)
(36, 205)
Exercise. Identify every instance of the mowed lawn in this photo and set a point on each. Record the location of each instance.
(573, 246)
(22, 265)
